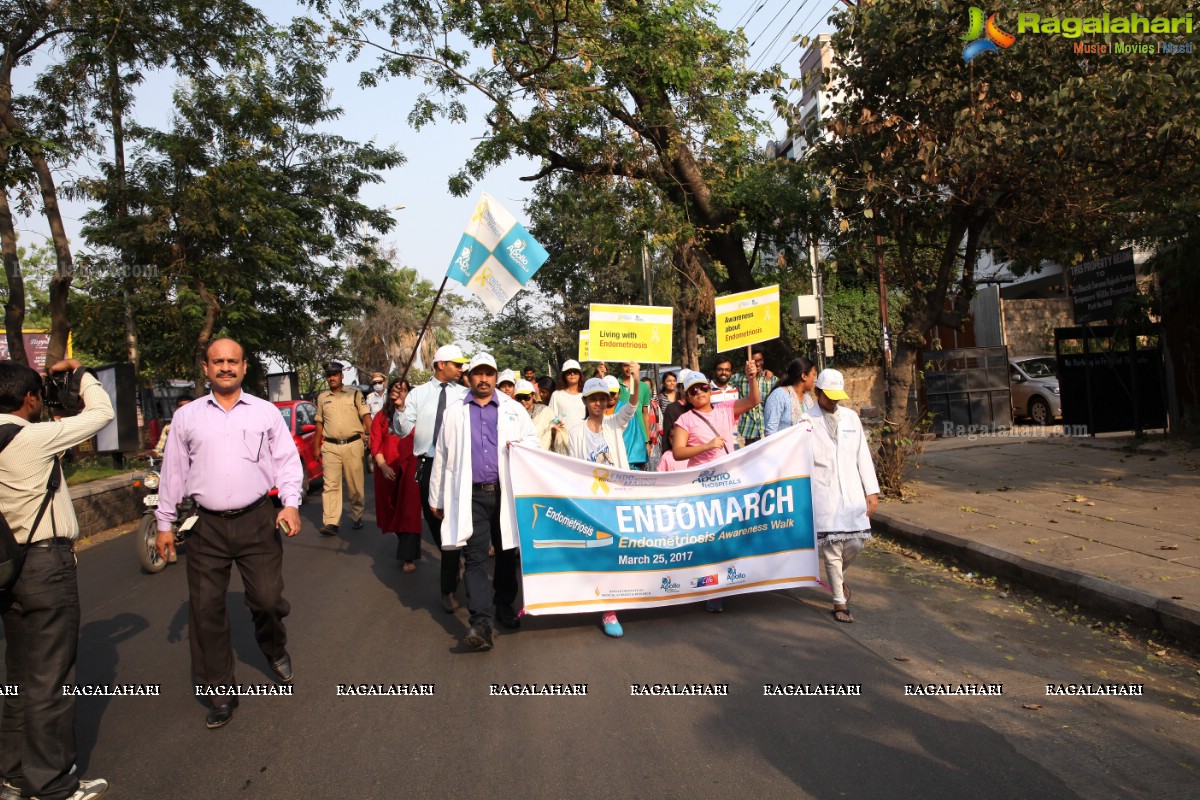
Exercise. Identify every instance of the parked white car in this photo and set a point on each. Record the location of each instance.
(1033, 381)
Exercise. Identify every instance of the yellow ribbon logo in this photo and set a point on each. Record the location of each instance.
(484, 274)
(654, 335)
(601, 481)
(480, 207)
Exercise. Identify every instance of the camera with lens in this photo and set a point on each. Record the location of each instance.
(60, 392)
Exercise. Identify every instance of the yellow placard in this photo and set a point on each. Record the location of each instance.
(583, 346)
(630, 333)
(747, 318)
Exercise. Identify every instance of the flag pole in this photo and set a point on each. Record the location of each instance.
(416, 347)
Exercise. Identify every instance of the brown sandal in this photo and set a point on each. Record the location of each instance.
(844, 611)
(409, 566)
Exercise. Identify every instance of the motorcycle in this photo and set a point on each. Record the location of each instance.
(146, 536)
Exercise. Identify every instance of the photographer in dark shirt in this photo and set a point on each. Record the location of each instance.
(41, 610)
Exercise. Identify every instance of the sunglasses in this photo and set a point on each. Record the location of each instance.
(698, 390)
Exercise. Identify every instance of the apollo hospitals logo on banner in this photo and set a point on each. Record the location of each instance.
(605, 539)
(496, 256)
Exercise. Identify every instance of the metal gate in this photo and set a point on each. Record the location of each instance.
(966, 390)
(1111, 378)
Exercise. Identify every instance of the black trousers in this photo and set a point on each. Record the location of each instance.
(408, 546)
(450, 558)
(41, 626)
(485, 532)
(252, 542)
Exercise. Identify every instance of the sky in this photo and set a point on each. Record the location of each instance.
(430, 224)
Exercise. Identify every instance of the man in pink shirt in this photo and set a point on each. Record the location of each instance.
(228, 449)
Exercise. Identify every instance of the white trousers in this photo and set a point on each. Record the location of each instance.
(837, 557)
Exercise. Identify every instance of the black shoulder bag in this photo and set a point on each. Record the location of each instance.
(12, 554)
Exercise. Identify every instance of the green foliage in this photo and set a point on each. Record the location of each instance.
(1033, 152)
(101, 51)
(852, 316)
(525, 334)
(384, 331)
(244, 219)
(637, 112)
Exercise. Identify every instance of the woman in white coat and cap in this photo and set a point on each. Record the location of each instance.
(600, 439)
(845, 491)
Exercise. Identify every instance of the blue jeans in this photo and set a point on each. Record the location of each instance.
(41, 625)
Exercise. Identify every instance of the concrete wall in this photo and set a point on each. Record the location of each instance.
(106, 503)
(1029, 324)
(864, 385)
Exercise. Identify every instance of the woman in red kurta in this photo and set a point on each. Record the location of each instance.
(397, 497)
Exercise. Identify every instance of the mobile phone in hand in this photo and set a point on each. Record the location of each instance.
(284, 528)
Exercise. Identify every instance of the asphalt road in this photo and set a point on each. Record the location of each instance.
(356, 618)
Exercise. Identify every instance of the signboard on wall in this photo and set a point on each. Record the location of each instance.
(1098, 286)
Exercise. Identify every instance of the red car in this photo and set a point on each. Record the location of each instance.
(300, 417)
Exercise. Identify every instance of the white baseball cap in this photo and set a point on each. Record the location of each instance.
(481, 360)
(694, 379)
(450, 352)
(831, 382)
(595, 386)
(523, 387)
(612, 383)
(507, 376)
(571, 363)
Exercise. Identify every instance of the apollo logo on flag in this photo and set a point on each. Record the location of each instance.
(496, 256)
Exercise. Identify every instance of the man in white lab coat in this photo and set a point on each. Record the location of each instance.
(469, 467)
(844, 487)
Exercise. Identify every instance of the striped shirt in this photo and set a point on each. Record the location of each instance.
(750, 426)
(26, 463)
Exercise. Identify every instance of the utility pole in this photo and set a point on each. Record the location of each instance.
(649, 294)
(883, 319)
(818, 288)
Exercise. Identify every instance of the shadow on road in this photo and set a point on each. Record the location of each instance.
(100, 640)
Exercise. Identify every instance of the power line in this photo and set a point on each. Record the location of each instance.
(764, 56)
(775, 114)
(770, 22)
(796, 45)
(752, 11)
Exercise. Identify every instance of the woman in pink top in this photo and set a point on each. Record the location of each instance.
(708, 432)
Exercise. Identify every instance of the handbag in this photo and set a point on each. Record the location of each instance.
(12, 553)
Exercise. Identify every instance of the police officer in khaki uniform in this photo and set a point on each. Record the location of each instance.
(343, 428)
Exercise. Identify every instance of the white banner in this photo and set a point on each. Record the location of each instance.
(601, 539)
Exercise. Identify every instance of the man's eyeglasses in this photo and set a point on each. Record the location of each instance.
(698, 390)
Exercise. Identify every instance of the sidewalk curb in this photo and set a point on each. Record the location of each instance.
(1086, 591)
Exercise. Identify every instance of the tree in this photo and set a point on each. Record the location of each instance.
(247, 213)
(651, 93)
(385, 332)
(1030, 152)
(56, 122)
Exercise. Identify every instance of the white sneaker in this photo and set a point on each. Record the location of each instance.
(92, 787)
